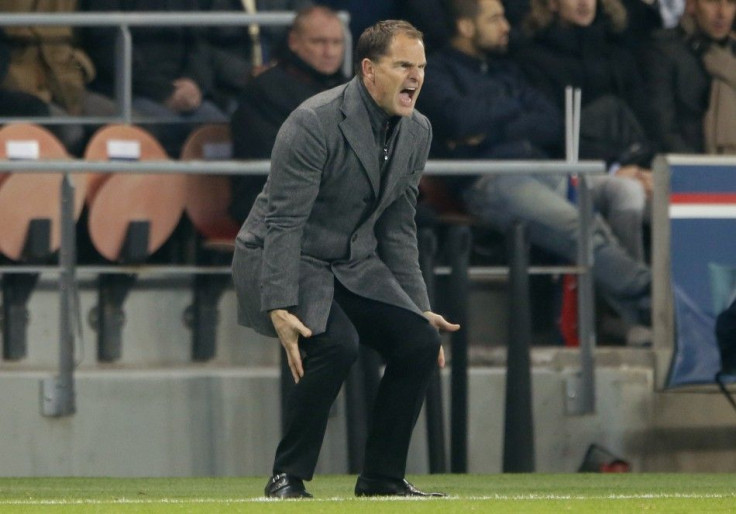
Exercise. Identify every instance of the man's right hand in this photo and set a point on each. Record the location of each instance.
(289, 328)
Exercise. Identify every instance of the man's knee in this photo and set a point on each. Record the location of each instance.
(341, 344)
(628, 195)
(422, 348)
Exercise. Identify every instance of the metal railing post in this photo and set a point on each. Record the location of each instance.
(124, 73)
(518, 447)
(586, 301)
(58, 392)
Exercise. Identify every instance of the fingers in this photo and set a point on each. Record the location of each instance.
(289, 328)
(441, 357)
(294, 358)
(301, 328)
(445, 326)
(441, 323)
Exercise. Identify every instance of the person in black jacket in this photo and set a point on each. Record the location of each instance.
(235, 56)
(172, 72)
(312, 64)
(482, 107)
(580, 43)
(678, 77)
(12, 102)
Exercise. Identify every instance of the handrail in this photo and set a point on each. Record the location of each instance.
(261, 166)
(151, 19)
(123, 51)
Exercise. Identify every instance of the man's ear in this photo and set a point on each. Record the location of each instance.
(466, 28)
(291, 41)
(690, 7)
(369, 70)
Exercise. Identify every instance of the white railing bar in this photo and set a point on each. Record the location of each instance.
(152, 19)
(261, 166)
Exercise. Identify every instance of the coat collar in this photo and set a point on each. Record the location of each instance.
(356, 127)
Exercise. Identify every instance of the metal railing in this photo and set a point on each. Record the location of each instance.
(124, 46)
(68, 268)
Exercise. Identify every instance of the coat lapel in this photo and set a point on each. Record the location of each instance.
(356, 127)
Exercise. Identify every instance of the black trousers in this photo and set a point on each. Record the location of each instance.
(409, 346)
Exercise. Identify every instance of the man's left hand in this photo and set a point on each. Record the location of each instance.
(442, 325)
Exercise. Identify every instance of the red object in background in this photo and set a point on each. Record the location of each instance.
(616, 466)
(568, 322)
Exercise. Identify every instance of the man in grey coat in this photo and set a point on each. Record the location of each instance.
(327, 259)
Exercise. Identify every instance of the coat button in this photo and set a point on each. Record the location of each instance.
(354, 238)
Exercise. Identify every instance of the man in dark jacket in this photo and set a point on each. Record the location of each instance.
(327, 260)
(172, 72)
(316, 48)
(482, 108)
(678, 76)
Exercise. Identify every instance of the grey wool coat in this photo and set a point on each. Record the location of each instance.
(326, 213)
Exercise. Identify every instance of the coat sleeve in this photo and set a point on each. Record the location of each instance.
(297, 162)
(396, 232)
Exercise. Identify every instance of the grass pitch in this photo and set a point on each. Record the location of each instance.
(499, 493)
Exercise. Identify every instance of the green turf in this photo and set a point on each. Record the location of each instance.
(500, 493)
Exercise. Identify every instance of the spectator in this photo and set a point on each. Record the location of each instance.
(233, 49)
(363, 14)
(691, 80)
(576, 43)
(16, 103)
(429, 16)
(47, 63)
(482, 107)
(316, 50)
(172, 71)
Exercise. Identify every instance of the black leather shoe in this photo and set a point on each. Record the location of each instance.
(388, 487)
(285, 486)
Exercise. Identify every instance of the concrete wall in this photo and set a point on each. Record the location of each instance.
(155, 413)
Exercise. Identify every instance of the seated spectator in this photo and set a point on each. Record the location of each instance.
(172, 72)
(239, 52)
(316, 48)
(47, 63)
(16, 103)
(363, 13)
(429, 16)
(691, 80)
(482, 107)
(578, 43)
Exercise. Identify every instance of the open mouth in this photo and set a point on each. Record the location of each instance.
(406, 95)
